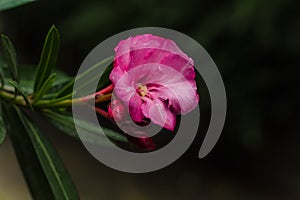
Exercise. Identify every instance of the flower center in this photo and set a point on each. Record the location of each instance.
(142, 90)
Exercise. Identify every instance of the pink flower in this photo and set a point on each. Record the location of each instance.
(154, 79)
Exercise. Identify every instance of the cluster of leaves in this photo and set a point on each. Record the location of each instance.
(48, 92)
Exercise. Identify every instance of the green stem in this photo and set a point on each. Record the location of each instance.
(13, 98)
(19, 100)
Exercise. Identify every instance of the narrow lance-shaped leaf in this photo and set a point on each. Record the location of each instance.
(65, 122)
(27, 157)
(2, 126)
(104, 80)
(1, 78)
(48, 58)
(45, 88)
(89, 75)
(27, 74)
(57, 175)
(7, 4)
(10, 57)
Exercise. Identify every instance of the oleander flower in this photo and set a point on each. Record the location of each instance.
(154, 79)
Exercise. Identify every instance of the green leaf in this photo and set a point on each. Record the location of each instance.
(48, 58)
(89, 75)
(45, 88)
(52, 94)
(54, 101)
(27, 157)
(65, 122)
(104, 80)
(2, 127)
(27, 73)
(59, 83)
(19, 89)
(10, 57)
(1, 78)
(7, 4)
(58, 177)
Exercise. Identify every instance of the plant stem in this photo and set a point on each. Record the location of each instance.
(19, 100)
(13, 98)
(102, 112)
(98, 94)
(68, 102)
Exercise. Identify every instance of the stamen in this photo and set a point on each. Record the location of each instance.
(142, 90)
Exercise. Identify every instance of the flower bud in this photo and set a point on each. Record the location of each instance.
(116, 110)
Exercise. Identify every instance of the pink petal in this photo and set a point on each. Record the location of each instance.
(159, 114)
(116, 74)
(180, 96)
(116, 110)
(181, 63)
(143, 49)
(124, 88)
(174, 87)
(122, 58)
(135, 110)
(155, 42)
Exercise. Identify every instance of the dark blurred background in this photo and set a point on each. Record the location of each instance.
(255, 44)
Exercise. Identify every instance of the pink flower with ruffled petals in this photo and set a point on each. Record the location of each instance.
(154, 79)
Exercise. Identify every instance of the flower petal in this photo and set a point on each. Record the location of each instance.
(159, 114)
(124, 88)
(143, 49)
(169, 85)
(135, 108)
(122, 58)
(181, 97)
